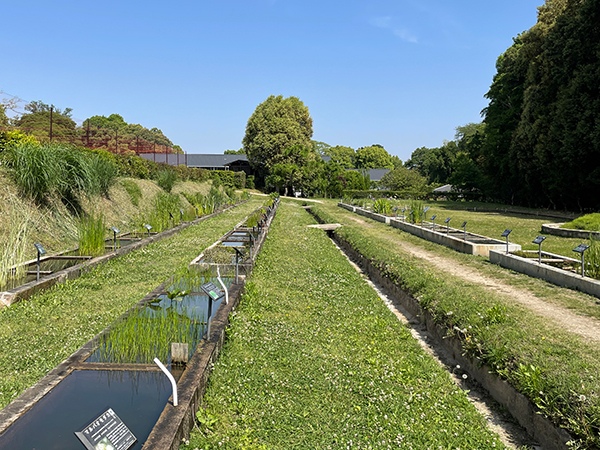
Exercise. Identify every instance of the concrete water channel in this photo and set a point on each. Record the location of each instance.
(116, 370)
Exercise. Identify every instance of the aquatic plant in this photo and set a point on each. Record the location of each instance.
(91, 233)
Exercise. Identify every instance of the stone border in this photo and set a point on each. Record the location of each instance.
(25, 291)
(554, 275)
(525, 412)
(554, 229)
(460, 245)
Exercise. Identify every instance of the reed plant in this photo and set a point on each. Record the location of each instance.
(92, 234)
(15, 241)
(41, 170)
(148, 334)
(592, 258)
(37, 170)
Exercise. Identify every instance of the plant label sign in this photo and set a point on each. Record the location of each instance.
(107, 432)
(212, 291)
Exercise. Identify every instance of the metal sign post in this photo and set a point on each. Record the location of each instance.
(464, 227)
(170, 219)
(433, 218)
(40, 251)
(403, 215)
(115, 231)
(447, 222)
(148, 227)
(538, 240)
(423, 214)
(505, 234)
(196, 211)
(214, 294)
(581, 249)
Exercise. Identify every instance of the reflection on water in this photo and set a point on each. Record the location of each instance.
(138, 398)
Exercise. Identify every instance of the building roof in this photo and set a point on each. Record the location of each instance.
(374, 174)
(215, 160)
(443, 189)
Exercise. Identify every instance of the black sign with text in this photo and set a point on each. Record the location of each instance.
(107, 432)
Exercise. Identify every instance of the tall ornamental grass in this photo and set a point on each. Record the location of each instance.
(91, 233)
(16, 240)
(42, 170)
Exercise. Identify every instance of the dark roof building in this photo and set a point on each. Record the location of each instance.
(374, 174)
(234, 163)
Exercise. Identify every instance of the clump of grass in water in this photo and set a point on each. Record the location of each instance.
(148, 334)
(91, 233)
(16, 242)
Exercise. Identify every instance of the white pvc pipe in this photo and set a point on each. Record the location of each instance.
(223, 285)
(170, 377)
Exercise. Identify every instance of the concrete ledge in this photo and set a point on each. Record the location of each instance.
(554, 229)
(442, 238)
(545, 272)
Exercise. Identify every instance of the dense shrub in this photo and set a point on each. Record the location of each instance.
(166, 179)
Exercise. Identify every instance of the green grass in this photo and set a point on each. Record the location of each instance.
(557, 370)
(314, 359)
(166, 179)
(134, 191)
(91, 233)
(16, 240)
(38, 334)
(589, 222)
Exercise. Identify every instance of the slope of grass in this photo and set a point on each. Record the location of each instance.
(314, 359)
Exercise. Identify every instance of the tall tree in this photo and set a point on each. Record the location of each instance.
(344, 156)
(373, 157)
(277, 124)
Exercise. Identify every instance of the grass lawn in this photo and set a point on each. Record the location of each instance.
(315, 360)
(38, 334)
(557, 370)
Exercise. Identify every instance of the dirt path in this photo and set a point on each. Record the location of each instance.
(586, 327)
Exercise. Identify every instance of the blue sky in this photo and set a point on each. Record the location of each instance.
(403, 74)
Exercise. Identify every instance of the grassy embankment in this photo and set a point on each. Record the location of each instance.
(314, 359)
(557, 370)
(38, 334)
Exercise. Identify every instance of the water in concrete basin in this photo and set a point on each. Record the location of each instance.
(138, 398)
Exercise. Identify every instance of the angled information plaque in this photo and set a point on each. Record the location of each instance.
(107, 432)
(212, 291)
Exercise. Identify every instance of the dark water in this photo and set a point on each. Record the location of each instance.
(138, 398)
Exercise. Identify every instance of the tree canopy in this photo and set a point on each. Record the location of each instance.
(277, 124)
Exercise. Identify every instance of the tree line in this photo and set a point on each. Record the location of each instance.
(47, 121)
(539, 142)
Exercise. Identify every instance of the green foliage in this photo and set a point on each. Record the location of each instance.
(382, 206)
(134, 191)
(373, 157)
(91, 232)
(592, 258)
(15, 238)
(14, 137)
(166, 179)
(409, 183)
(344, 156)
(105, 127)
(37, 170)
(589, 222)
(36, 121)
(435, 164)
(542, 138)
(250, 182)
(276, 125)
(241, 151)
